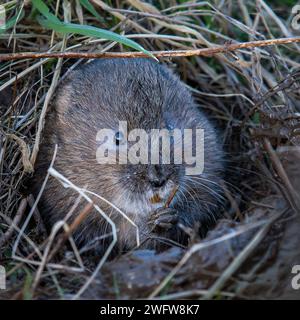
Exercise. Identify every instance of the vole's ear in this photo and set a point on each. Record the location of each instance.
(62, 101)
(65, 94)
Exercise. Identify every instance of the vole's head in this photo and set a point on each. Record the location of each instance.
(100, 109)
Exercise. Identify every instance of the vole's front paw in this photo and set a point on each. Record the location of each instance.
(163, 218)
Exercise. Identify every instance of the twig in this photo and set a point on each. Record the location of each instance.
(63, 180)
(200, 246)
(7, 235)
(75, 224)
(50, 92)
(233, 202)
(242, 257)
(189, 294)
(64, 237)
(158, 54)
(24, 151)
(281, 173)
(30, 214)
(171, 197)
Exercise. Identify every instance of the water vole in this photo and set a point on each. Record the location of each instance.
(146, 95)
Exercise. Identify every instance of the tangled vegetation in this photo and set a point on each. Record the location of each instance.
(252, 94)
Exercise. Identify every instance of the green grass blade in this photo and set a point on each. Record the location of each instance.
(11, 22)
(91, 31)
(44, 10)
(52, 22)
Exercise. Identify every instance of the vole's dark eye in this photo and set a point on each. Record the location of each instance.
(119, 136)
(170, 127)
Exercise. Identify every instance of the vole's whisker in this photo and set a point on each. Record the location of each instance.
(215, 194)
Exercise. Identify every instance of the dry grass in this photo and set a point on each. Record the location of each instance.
(252, 94)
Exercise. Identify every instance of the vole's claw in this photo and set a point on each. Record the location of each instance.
(163, 212)
(164, 218)
(164, 225)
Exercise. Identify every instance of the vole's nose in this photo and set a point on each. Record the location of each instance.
(157, 182)
(157, 178)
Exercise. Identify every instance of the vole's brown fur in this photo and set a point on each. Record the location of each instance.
(146, 95)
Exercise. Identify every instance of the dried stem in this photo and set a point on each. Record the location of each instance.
(77, 221)
(171, 197)
(158, 54)
(8, 234)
